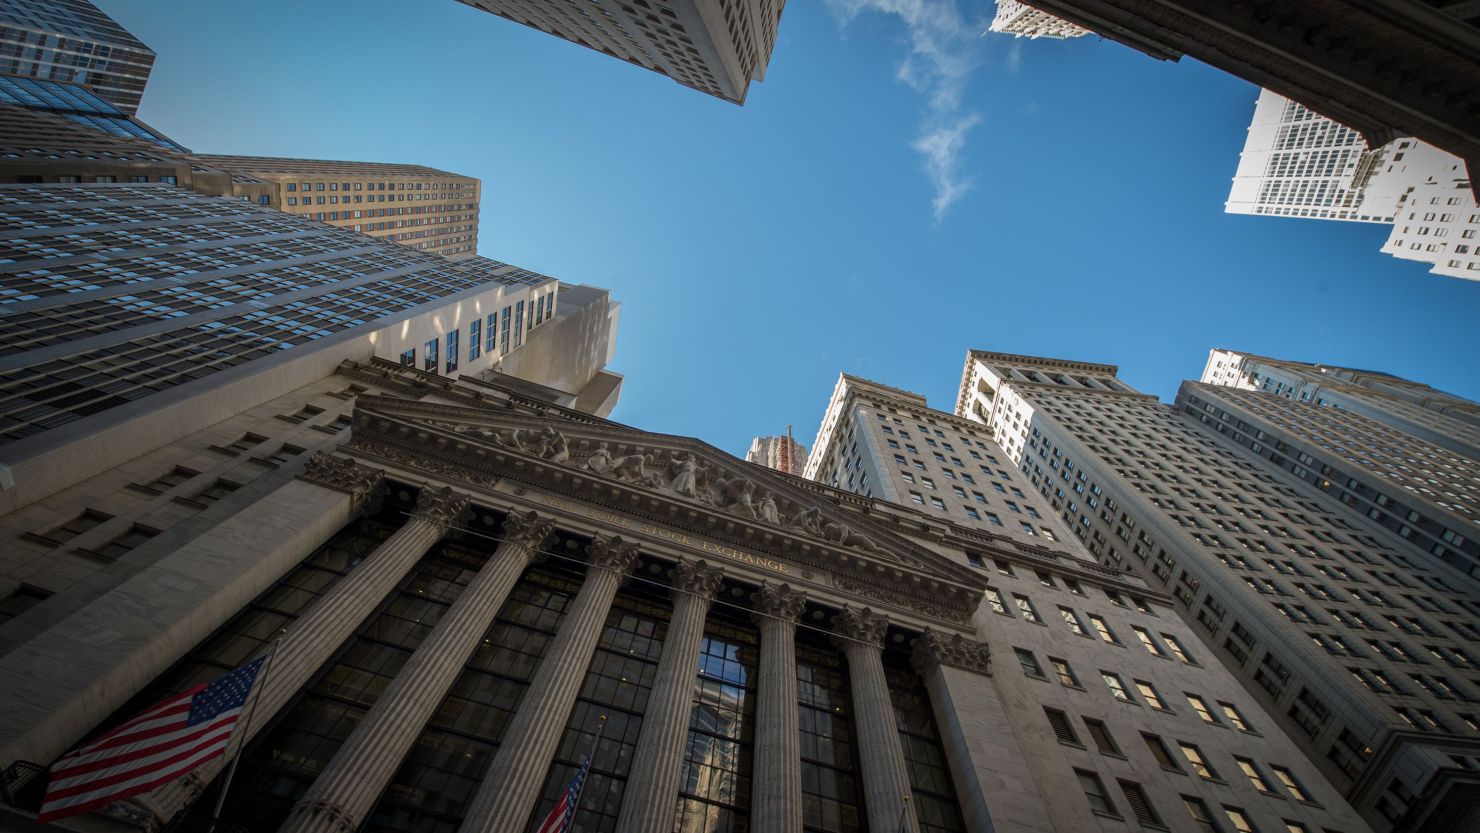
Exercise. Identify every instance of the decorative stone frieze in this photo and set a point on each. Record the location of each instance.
(933, 648)
(854, 625)
(777, 602)
(343, 474)
(442, 507)
(697, 578)
(528, 530)
(612, 553)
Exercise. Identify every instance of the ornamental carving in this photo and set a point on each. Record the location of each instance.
(612, 553)
(853, 626)
(932, 609)
(932, 649)
(777, 602)
(440, 506)
(697, 578)
(342, 474)
(528, 530)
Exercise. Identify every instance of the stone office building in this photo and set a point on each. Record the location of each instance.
(478, 588)
(1361, 650)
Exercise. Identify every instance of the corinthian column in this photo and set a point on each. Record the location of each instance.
(511, 787)
(347, 788)
(886, 784)
(317, 634)
(652, 784)
(776, 791)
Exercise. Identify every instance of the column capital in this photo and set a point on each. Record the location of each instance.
(777, 602)
(440, 506)
(697, 578)
(528, 530)
(612, 553)
(853, 626)
(331, 814)
(343, 474)
(933, 649)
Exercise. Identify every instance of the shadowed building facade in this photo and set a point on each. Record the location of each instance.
(472, 580)
(716, 47)
(1359, 645)
(1385, 69)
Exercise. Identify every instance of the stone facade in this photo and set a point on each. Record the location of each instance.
(1359, 652)
(714, 47)
(696, 613)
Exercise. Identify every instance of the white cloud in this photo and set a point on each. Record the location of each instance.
(944, 49)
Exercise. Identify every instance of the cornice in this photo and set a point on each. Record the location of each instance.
(897, 571)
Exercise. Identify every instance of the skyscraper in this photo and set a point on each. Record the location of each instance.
(1296, 163)
(714, 47)
(1387, 71)
(780, 453)
(416, 206)
(1014, 18)
(174, 311)
(1363, 652)
(1444, 419)
(72, 40)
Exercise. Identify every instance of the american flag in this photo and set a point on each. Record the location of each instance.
(154, 748)
(565, 809)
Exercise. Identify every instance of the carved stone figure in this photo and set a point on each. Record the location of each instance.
(547, 443)
(809, 520)
(846, 537)
(685, 472)
(600, 460)
(555, 447)
(736, 494)
(632, 468)
(767, 509)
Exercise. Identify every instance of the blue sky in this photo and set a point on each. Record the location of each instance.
(898, 190)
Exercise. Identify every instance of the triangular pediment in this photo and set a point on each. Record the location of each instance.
(680, 478)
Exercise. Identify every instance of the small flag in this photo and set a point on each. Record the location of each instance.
(565, 809)
(156, 747)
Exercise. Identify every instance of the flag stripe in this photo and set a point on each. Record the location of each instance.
(187, 759)
(156, 746)
(101, 771)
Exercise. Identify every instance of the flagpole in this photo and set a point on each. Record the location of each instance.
(574, 805)
(246, 722)
(904, 808)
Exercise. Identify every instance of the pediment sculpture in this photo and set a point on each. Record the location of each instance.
(681, 473)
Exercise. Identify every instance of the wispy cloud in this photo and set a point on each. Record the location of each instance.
(943, 50)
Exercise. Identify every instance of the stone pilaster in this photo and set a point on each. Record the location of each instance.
(776, 798)
(652, 784)
(344, 474)
(348, 787)
(512, 784)
(978, 737)
(318, 633)
(886, 785)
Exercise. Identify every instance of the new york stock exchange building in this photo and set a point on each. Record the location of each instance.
(478, 589)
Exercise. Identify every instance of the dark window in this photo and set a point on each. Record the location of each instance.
(1063, 730)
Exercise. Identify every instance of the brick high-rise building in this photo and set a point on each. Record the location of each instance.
(1362, 648)
(715, 46)
(424, 208)
(73, 40)
(780, 453)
